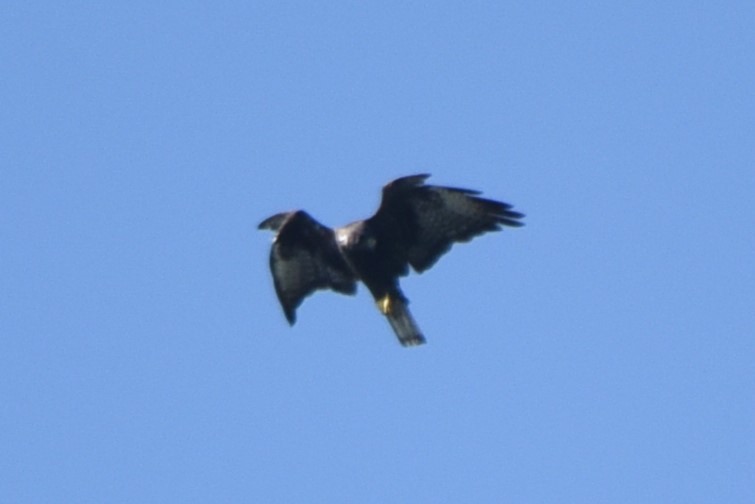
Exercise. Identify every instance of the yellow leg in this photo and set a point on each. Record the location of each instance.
(385, 304)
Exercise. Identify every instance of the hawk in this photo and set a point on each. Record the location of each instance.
(414, 225)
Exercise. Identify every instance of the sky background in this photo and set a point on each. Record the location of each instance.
(603, 353)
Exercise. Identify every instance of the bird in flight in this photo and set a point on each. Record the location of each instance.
(415, 224)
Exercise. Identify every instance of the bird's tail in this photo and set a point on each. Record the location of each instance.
(396, 310)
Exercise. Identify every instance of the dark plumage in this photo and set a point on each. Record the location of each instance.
(414, 226)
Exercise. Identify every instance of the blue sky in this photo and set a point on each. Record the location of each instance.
(602, 353)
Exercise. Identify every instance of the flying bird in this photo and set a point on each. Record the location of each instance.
(414, 225)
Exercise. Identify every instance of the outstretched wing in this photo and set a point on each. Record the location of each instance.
(418, 223)
(304, 258)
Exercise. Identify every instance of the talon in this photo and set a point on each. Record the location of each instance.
(385, 304)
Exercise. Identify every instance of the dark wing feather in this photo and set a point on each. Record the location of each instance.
(304, 258)
(419, 223)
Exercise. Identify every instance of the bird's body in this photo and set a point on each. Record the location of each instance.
(414, 226)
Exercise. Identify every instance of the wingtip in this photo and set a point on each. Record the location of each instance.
(275, 222)
(511, 219)
(410, 180)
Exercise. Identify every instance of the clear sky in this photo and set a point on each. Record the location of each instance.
(603, 353)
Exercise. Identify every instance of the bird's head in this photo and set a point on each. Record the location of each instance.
(356, 236)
